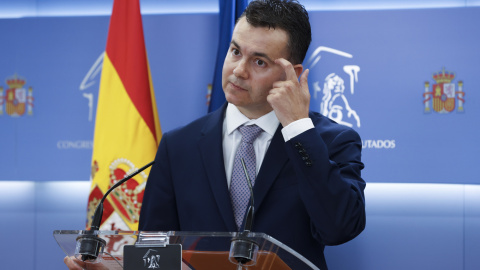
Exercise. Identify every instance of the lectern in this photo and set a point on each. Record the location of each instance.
(192, 250)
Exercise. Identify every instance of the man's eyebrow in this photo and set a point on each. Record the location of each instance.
(255, 53)
(235, 44)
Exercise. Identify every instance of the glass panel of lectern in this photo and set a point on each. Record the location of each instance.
(196, 250)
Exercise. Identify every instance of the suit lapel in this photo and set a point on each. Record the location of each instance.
(210, 145)
(274, 161)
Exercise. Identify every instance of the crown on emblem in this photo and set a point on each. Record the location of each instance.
(15, 81)
(129, 201)
(444, 76)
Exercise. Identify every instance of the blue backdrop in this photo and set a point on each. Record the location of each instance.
(59, 59)
(369, 69)
(384, 60)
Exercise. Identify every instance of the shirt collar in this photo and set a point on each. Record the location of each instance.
(234, 118)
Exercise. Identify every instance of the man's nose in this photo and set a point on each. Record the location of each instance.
(240, 70)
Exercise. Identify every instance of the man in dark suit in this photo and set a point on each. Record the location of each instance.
(308, 189)
(307, 185)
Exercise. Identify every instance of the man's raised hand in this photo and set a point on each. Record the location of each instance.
(290, 99)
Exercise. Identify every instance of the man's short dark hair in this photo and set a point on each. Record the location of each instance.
(288, 15)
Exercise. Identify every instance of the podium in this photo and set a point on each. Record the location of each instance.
(199, 250)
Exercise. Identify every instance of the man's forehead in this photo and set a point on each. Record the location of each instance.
(259, 40)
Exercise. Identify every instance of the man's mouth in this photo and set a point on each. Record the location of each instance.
(237, 87)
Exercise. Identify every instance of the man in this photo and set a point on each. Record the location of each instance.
(308, 190)
(307, 185)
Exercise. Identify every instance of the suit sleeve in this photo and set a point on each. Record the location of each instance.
(159, 210)
(328, 168)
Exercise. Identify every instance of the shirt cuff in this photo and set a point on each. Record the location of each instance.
(296, 128)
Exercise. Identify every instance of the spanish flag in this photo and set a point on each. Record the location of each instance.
(127, 129)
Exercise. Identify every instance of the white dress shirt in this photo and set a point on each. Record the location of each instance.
(268, 122)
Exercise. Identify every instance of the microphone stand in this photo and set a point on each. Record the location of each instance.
(243, 251)
(90, 245)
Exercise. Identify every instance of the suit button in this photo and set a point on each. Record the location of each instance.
(298, 145)
(308, 163)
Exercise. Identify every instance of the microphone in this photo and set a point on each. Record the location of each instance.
(243, 251)
(249, 219)
(90, 245)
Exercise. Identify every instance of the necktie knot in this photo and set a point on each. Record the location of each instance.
(250, 133)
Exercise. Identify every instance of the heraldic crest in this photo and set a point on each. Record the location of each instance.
(443, 94)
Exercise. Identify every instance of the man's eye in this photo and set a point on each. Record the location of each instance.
(260, 62)
(235, 52)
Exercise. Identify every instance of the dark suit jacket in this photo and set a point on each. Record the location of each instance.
(308, 192)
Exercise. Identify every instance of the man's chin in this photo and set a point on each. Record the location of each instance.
(234, 99)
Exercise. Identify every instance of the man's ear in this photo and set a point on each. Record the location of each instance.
(298, 69)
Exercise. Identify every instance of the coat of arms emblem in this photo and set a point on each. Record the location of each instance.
(16, 100)
(122, 207)
(444, 95)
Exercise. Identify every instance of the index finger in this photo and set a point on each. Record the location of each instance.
(288, 67)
